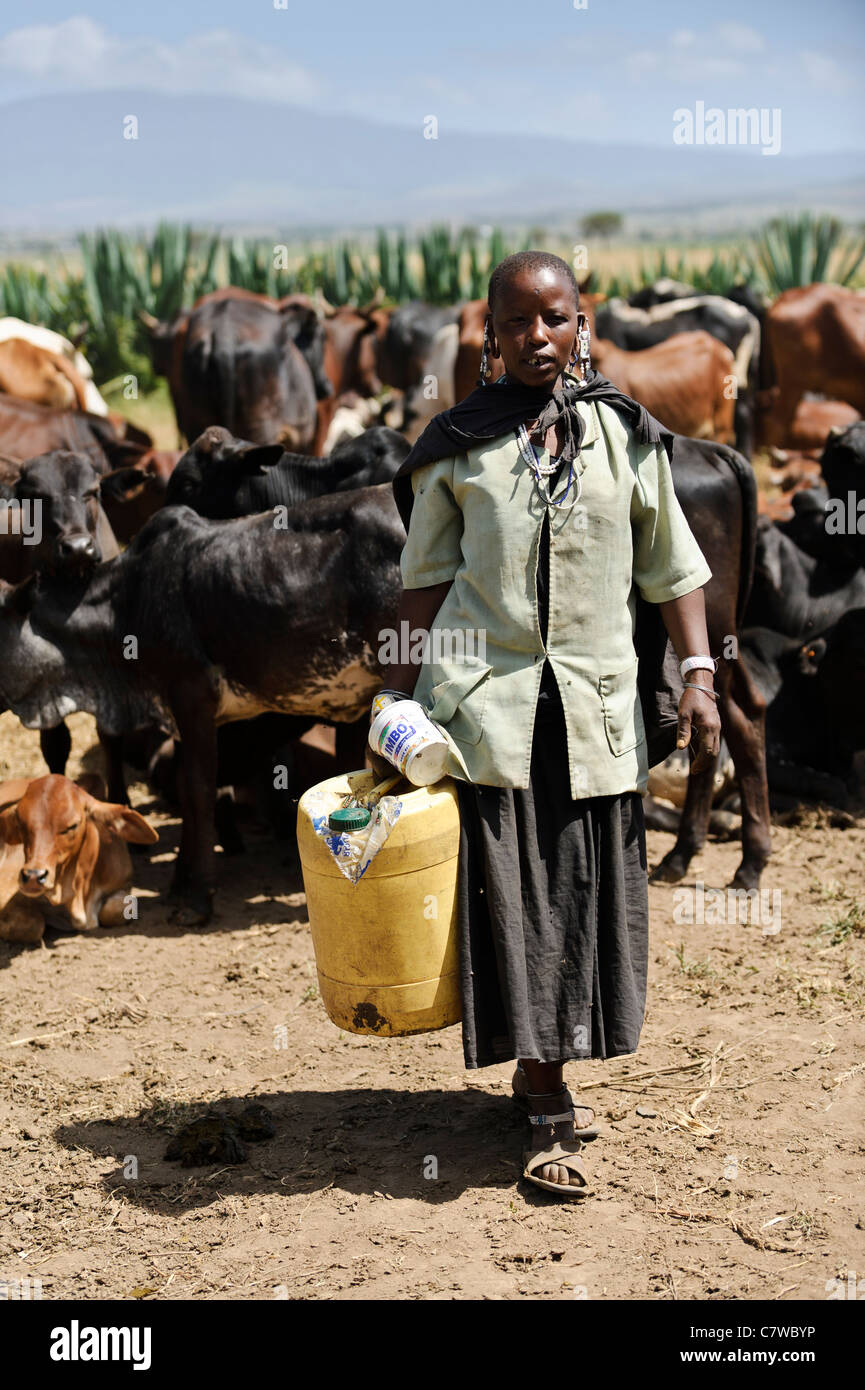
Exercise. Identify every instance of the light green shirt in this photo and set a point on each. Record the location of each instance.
(476, 520)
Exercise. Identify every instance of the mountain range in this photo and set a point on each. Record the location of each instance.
(65, 165)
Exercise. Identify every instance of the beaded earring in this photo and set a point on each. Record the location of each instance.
(582, 357)
(486, 370)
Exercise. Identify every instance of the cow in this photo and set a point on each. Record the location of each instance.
(198, 623)
(813, 422)
(470, 337)
(244, 366)
(247, 362)
(405, 345)
(35, 374)
(59, 491)
(661, 291)
(65, 862)
(352, 340)
(56, 343)
(28, 429)
(795, 593)
(717, 490)
(685, 382)
(222, 477)
(633, 328)
(435, 391)
(843, 465)
(816, 339)
(815, 697)
(130, 496)
(837, 659)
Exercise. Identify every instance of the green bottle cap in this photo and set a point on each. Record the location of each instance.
(349, 818)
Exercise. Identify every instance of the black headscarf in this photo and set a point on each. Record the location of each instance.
(492, 411)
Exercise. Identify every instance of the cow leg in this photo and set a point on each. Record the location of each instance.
(351, 745)
(743, 720)
(112, 913)
(56, 745)
(193, 884)
(692, 828)
(20, 921)
(112, 748)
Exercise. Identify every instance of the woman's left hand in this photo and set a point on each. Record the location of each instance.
(699, 720)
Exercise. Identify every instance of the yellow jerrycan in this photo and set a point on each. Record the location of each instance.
(386, 947)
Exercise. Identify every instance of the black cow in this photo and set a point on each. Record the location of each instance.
(733, 325)
(407, 340)
(815, 715)
(796, 594)
(59, 493)
(222, 477)
(718, 493)
(843, 467)
(254, 368)
(199, 623)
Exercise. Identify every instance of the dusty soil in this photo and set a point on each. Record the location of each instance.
(742, 1178)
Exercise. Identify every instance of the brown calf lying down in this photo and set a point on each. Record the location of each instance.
(63, 857)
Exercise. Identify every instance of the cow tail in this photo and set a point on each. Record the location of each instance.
(747, 481)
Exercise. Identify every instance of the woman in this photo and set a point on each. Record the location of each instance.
(535, 510)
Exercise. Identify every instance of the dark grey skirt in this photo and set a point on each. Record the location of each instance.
(553, 914)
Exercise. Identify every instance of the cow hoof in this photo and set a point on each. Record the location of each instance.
(668, 871)
(190, 907)
(746, 878)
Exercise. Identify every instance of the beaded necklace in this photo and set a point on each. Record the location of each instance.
(543, 471)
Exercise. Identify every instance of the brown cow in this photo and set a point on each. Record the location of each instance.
(351, 350)
(684, 382)
(35, 374)
(28, 430)
(812, 422)
(65, 862)
(816, 339)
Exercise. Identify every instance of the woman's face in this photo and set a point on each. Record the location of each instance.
(533, 327)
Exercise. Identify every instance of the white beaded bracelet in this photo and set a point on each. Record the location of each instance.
(697, 663)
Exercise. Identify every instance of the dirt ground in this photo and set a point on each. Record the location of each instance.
(730, 1166)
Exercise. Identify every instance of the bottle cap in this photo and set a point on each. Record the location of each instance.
(349, 818)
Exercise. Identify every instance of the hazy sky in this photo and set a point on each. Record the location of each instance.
(615, 70)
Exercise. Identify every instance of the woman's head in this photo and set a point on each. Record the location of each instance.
(532, 324)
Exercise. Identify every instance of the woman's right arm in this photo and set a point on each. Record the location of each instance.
(417, 608)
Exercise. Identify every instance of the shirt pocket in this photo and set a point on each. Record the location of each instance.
(623, 717)
(458, 704)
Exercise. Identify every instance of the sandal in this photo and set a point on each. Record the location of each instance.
(520, 1091)
(563, 1151)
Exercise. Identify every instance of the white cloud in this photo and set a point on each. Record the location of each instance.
(683, 38)
(741, 37)
(80, 53)
(823, 71)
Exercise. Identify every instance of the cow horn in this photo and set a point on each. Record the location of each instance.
(326, 308)
(375, 303)
(148, 320)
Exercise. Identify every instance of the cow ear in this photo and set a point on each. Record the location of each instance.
(10, 827)
(125, 822)
(260, 457)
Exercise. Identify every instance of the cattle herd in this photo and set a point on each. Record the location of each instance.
(208, 607)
